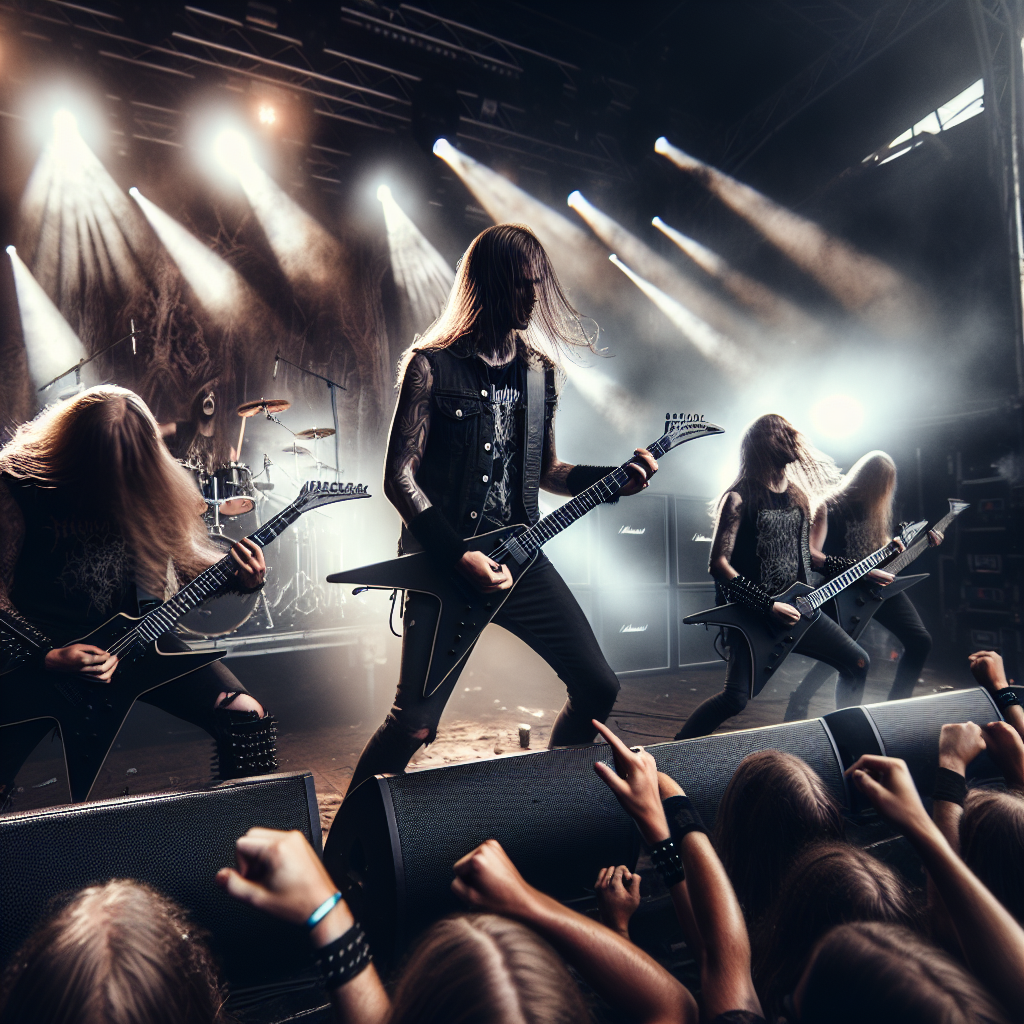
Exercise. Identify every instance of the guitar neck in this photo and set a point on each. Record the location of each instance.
(533, 539)
(902, 560)
(816, 598)
(161, 620)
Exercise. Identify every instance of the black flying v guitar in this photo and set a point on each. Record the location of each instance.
(465, 611)
(90, 714)
(856, 605)
(771, 642)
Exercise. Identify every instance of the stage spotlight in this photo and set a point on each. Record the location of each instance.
(661, 273)
(64, 123)
(50, 343)
(442, 148)
(862, 284)
(837, 416)
(710, 343)
(217, 285)
(232, 151)
(267, 115)
(421, 273)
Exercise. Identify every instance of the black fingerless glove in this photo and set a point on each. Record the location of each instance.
(582, 477)
(835, 566)
(748, 594)
(437, 536)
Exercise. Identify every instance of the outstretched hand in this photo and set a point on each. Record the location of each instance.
(634, 781)
(1006, 748)
(959, 744)
(887, 783)
(988, 671)
(488, 880)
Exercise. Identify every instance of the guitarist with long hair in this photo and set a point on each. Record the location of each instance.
(472, 441)
(93, 510)
(856, 518)
(761, 546)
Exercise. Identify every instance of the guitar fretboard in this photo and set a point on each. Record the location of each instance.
(522, 546)
(901, 561)
(161, 620)
(816, 598)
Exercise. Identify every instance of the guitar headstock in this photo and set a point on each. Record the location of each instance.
(315, 493)
(909, 532)
(681, 427)
(956, 506)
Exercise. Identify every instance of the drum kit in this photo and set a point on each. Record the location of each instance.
(234, 501)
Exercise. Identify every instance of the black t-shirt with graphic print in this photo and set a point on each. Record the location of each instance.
(504, 502)
(73, 572)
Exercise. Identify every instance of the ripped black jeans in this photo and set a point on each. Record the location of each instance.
(543, 613)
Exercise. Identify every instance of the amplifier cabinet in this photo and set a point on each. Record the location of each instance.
(634, 628)
(633, 542)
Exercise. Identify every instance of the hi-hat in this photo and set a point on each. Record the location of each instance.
(313, 433)
(267, 405)
(296, 449)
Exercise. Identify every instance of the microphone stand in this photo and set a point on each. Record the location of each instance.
(333, 387)
(77, 368)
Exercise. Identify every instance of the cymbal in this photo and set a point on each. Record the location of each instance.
(296, 449)
(315, 432)
(268, 405)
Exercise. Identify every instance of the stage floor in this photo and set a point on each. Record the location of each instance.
(328, 702)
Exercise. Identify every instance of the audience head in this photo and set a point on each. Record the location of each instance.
(992, 844)
(118, 953)
(485, 969)
(888, 975)
(774, 805)
(829, 884)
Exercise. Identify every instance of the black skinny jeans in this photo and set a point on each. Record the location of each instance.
(824, 641)
(542, 612)
(901, 618)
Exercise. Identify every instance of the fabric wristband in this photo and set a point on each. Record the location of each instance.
(341, 960)
(323, 910)
(1006, 697)
(665, 857)
(580, 478)
(437, 536)
(748, 594)
(836, 566)
(682, 816)
(950, 786)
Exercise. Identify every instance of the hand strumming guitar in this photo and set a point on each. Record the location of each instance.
(84, 659)
(484, 572)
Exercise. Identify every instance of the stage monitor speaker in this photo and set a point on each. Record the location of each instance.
(634, 630)
(394, 841)
(694, 530)
(633, 542)
(174, 842)
(696, 643)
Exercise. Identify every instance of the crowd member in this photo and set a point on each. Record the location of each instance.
(118, 953)
(618, 896)
(468, 968)
(782, 801)
(828, 884)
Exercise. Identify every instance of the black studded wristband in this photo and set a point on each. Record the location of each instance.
(748, 594)
(836, 565)
(341, 960)
(1005, 698)
(669, 864)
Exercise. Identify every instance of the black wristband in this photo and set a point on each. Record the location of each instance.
(341, 960)
(580, 478)
(748, 594)
(682, 816)
(836, 566)
(665, 857)
(950, 786)
(1006, 697)
(437, 536)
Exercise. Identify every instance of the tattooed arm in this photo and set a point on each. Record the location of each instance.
(554, 473)
(725, 538)
(408, 441)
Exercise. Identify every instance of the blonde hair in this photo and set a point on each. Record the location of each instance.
(868, 491)
(103, 448)
(498, 260)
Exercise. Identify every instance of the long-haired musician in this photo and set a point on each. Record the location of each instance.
(93, 509)
(854, 520)
(760, 548)
(461, 461)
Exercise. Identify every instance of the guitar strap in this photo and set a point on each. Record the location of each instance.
(533, 456)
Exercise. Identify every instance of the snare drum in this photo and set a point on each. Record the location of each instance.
(231, 485)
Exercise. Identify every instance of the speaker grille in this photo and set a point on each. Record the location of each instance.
(174, 842)
(704, 766)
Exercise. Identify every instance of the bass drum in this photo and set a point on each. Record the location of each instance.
(221, 614)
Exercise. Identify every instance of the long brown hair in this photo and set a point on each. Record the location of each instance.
(499, 262)
(780, 799)
(827, 885)
(888, 975)
(771, 446)
(102, 448)
(866, 497)
(119, 953)
(992, 844)
(477, 968)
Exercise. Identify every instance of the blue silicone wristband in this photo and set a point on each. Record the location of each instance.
(323, 910)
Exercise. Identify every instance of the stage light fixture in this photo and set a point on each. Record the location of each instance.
(574, 198)
(232, 151)
(267, 115)
(443, 148)
(384, 193)
(837, 416)
(11, 251)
